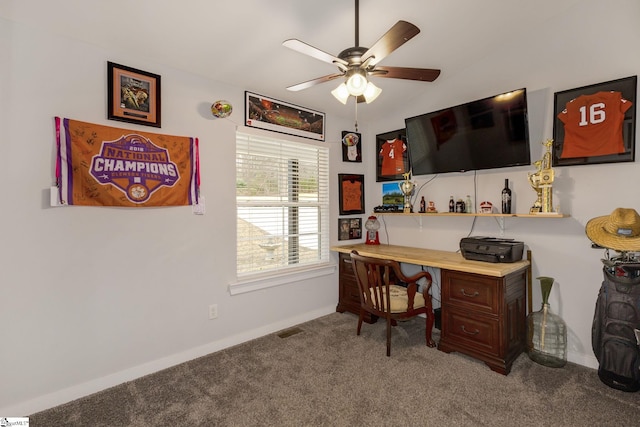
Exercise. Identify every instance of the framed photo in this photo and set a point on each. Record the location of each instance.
(351, 194)
(351, 147)
(270, 114)
(349, 228)
(133, 95)
(392, 196)
(392, 155)
(595, 124)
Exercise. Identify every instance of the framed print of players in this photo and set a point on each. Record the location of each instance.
(392, 156)
(595, 124)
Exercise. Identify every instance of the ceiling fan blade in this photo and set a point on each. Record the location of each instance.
(314, 52)
(310, 83)
(421, 74)
(398, 35)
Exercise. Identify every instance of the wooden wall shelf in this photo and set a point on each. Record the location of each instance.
(500, 218)
(497, 215)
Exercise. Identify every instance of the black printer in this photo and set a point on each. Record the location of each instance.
(491, 249)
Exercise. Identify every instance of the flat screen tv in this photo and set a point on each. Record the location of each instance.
(484, 134)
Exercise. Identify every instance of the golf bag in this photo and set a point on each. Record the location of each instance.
(615, 331)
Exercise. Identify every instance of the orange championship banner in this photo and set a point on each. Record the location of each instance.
(104, 166)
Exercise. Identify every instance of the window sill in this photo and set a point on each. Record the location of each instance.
(256, 284)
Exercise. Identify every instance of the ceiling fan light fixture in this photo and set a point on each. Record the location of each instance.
(371, 92)
(356, 83)
(341, 93)
(356, 64)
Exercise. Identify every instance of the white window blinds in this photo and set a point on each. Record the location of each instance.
(282, 201)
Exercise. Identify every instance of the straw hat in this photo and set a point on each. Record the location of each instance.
(619, 231)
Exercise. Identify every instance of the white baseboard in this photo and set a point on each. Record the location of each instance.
(68, 394)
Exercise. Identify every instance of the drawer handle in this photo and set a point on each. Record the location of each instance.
(475, 294)
(469, 333)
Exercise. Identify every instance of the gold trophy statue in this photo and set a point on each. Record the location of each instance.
(407, 189)
(541, 181)
(534, 180)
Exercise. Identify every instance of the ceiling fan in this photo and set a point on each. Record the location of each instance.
(358, 63)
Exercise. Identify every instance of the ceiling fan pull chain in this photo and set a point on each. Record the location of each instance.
(356, 113)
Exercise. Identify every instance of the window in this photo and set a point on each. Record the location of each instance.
(282, 202)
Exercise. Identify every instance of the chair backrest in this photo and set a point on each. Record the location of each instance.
(374, 277)
(377, 281)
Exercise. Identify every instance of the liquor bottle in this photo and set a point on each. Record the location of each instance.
(506, 198)
(423, 205)
(467, 205)
(452, 205)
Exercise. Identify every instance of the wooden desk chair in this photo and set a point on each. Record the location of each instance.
(380, 296)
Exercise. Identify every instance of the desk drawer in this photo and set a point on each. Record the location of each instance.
(349, 294)
(345, 267)
(471, 291)
(480, 333)
(350, 290)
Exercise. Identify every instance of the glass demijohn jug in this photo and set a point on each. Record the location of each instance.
(546, 332)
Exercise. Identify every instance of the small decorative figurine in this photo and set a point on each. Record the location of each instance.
(486, 207)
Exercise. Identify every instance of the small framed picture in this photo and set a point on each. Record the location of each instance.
(392, 156)
(133, 95)
(595, 124)
(351, 147)
(351, 194)
(392, 196)
(349, 228)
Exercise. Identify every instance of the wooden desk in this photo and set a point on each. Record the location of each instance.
(483, 304)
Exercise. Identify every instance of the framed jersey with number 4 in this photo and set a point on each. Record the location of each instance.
(392, 155)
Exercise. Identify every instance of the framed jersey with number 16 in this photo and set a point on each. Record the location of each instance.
(595, 124)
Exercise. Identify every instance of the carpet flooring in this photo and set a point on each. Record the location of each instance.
(321, 374)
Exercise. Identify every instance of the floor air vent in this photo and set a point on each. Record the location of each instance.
(289, 332)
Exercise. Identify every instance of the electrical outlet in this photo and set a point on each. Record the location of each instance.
(213, 311)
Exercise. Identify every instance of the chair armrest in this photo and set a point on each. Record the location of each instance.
(412, 285)
(414, 278)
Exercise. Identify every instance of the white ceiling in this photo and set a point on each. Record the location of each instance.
(239, 42)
